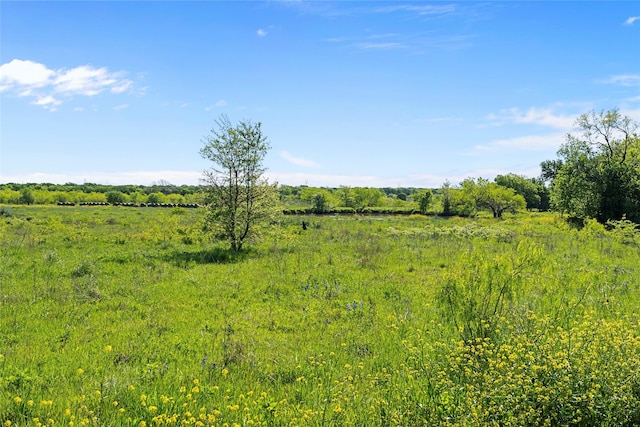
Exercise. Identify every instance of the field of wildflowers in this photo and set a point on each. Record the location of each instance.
(119, 317)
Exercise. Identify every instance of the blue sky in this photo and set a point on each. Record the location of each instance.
(400, 93)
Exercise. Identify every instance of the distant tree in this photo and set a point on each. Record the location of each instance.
(320, 203)
(496, 198)
(544, 193)
(424, 200)
(446, 191)
(239, 197)
(528, 188)
(365, 197)
(114, 197)
(598, 173)
(346, 197)
(155, 198)
(136, 197)
(26, 196)
(60, 196)
(321, 199)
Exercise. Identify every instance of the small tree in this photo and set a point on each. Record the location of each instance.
(238, 195)
(424, 199)
(446, 191)
(346, 197)
(155, 198)
(26, 196)
(321, 199)
(320, 203)
(114, 197)
(489, 195)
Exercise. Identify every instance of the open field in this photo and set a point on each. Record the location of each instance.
(112, 316)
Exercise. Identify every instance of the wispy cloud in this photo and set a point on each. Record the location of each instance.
(221, 103)
(379, 45)
(624, 80)
(48, 102)
(383, 41)
(440, 120)
(261, 32)
(631, 20)
(549, 142)
(25, 78)
(413, 43)
(298, 161)
(538, 116)
(420, 10)
(121, 107)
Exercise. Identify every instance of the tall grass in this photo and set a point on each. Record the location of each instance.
(114, 316)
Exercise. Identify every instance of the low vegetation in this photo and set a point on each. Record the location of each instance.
(132, 317)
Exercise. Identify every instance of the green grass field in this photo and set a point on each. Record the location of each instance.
(113, 316)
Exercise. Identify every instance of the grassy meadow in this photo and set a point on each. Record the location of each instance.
(115, 316)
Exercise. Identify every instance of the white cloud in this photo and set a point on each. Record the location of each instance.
(48, 102)
(631, 20)
(219, 104)
(624, 80)
(121, 107)
(89, 81)
(537, 116)
(27, 74)
(298, 161)
(26, 78)
(261, 32)
(110, 178)
(548, 142)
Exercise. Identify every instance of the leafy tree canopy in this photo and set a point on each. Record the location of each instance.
(491, 196)
(598, 171)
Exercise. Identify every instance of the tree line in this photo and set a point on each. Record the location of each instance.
(596, 175)
(44, 194)
(297, 199)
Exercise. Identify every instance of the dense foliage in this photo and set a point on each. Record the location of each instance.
(597, 174)
(130, 317)
(535, 193)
